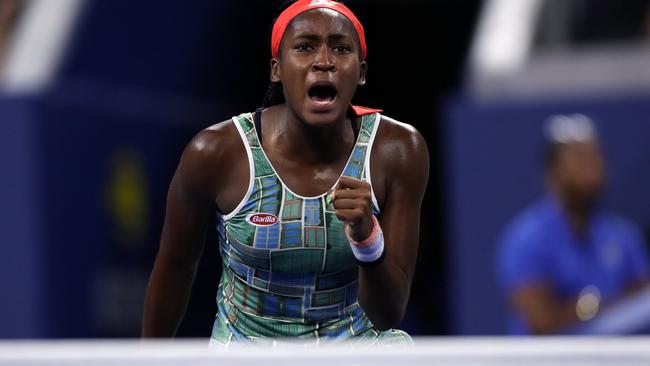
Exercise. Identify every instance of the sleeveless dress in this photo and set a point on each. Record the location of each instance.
(288, 270)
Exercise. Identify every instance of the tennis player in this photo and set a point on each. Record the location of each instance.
(318, 201)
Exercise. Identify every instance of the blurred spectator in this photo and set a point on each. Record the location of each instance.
(564, 258)
(9, 10)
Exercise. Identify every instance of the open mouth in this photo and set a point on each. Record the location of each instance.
(322, 94)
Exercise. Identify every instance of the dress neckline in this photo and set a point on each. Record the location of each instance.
(257, 125)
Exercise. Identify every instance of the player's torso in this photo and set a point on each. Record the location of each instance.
(302, 178)
(285, 256)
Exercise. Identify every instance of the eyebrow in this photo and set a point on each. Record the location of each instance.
(316, 37)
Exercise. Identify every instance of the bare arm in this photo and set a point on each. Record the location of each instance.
(190, 205)
(384, 289)
(544, 313)
(547, 315)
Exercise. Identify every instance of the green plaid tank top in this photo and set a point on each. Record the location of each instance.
(288, 270)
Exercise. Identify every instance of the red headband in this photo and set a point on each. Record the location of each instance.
(303, 5)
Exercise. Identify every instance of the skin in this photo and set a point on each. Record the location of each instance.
(9, 12)
(309, 149)
(576, 178)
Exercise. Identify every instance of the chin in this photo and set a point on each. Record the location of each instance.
(587, 201)
(320, 119)
(323, 116)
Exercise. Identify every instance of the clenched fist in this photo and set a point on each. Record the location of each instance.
(352, 200)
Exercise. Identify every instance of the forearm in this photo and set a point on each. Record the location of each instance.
(383, 293)
(384, 286)
(637, 286)
(556, 318)
(166, 299)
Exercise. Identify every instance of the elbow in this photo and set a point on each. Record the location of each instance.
(384, 316)
(536, 329)
(543, 326)
(387, 321)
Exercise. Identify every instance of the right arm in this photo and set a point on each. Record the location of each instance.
(544, 313)
(190, 205)
(524, 265)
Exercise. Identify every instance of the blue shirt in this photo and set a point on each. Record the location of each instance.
(540, 246)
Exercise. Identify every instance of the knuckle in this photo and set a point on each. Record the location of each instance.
(364, 205)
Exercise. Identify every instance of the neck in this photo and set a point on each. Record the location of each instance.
(579, 219)
(312, 144)
(578, 214)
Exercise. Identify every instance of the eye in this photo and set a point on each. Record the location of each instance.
(342, 49)
(303, 47)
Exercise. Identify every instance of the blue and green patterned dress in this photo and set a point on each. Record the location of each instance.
(288, 270)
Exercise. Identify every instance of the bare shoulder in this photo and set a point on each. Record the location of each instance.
(399, 160)
(209, 156)
(400, 142)
(213, 142)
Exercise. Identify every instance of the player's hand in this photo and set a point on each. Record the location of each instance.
(352, 200)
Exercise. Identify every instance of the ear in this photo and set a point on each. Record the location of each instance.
(275, 70)
(363, 68)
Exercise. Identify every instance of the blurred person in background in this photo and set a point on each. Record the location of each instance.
(309, 261)
(9, 11)
(564, 258)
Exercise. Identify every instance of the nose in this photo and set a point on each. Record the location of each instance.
(323, 60)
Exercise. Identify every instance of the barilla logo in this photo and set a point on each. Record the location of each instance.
(262, 219)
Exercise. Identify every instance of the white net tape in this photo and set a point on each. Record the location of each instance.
(551, 351)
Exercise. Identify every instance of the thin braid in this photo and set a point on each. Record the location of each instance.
(273, 96)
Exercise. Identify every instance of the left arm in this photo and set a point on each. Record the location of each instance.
(384, 289)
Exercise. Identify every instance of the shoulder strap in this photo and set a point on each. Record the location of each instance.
(257, 118)
(355, 167)
(261, 164)
(253, 139)
(371, 128)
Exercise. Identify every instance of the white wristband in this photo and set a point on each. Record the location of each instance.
(370, 249)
